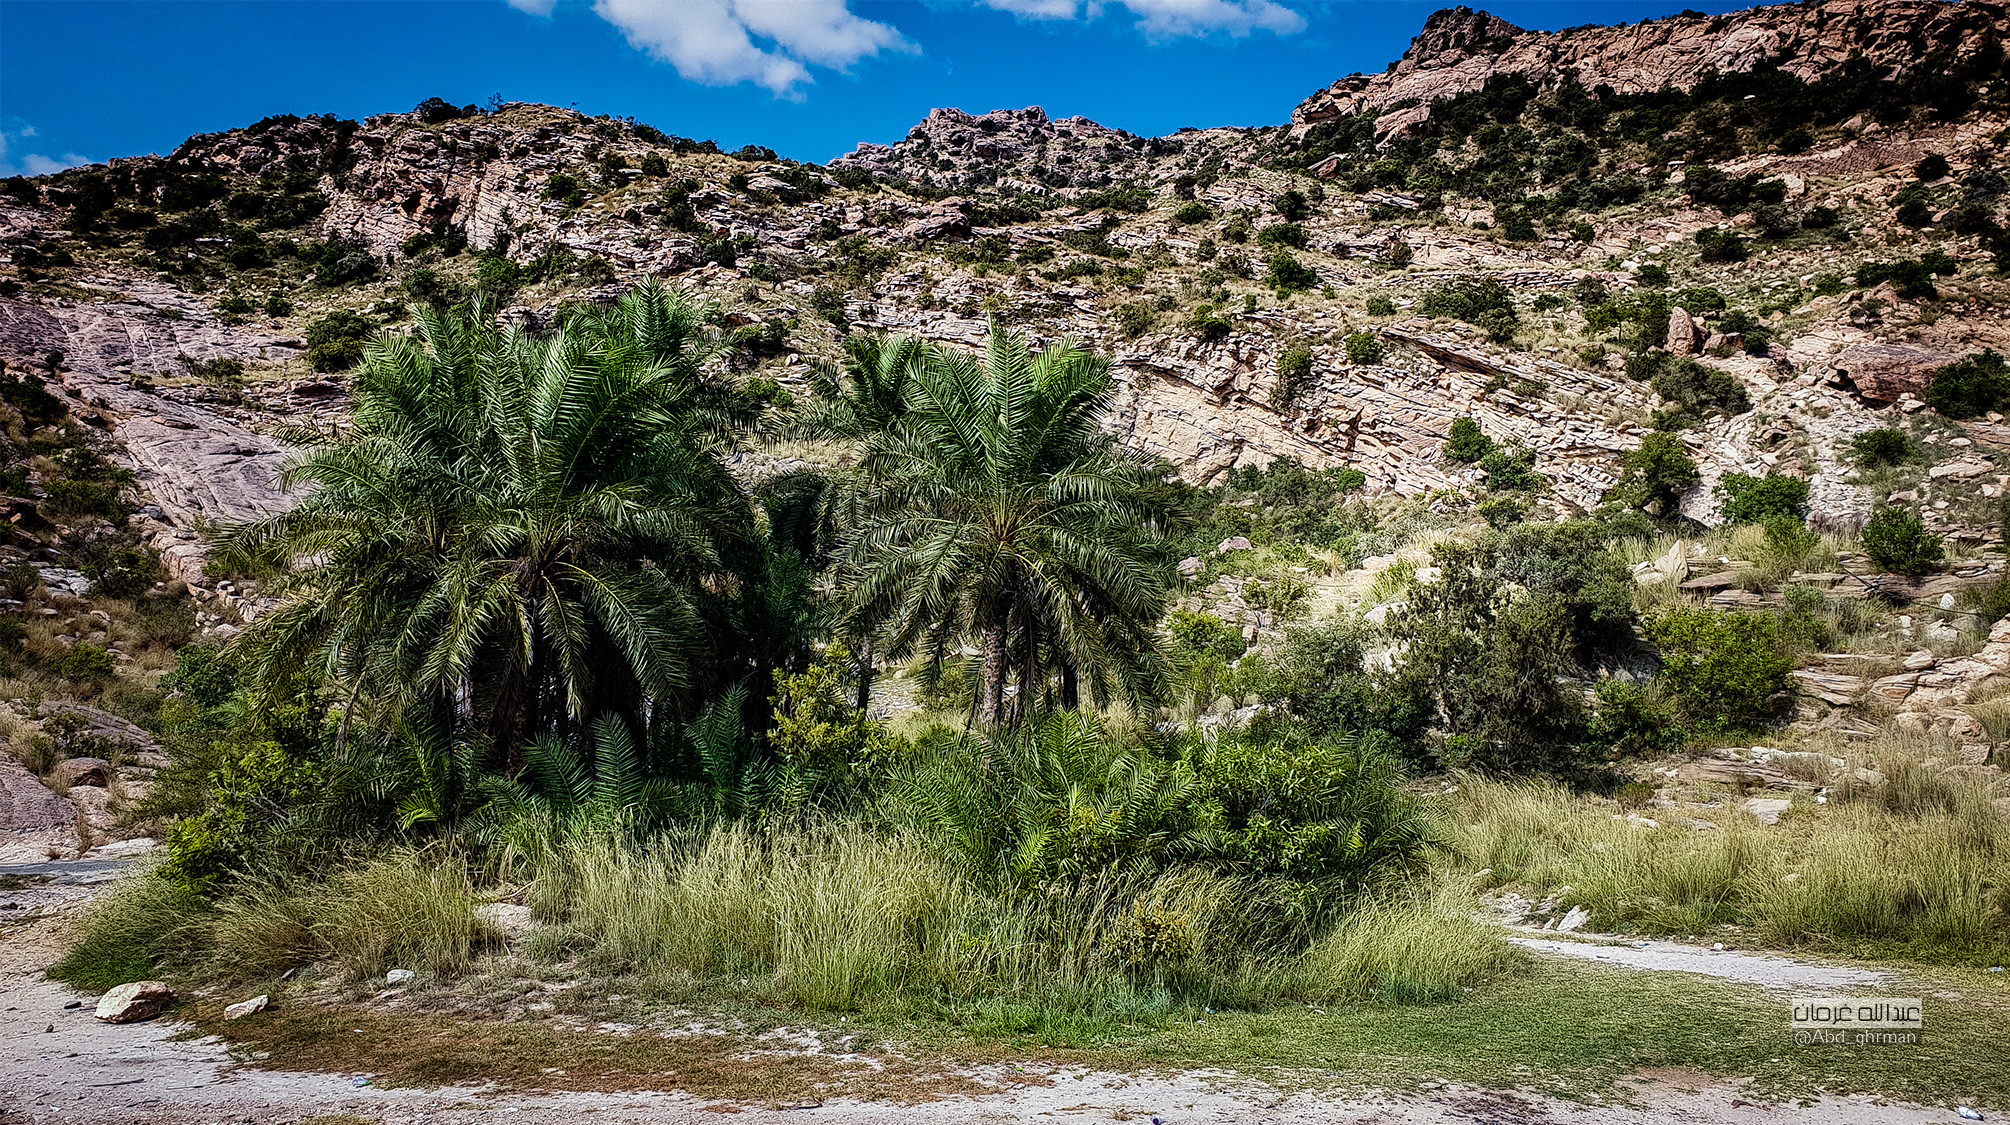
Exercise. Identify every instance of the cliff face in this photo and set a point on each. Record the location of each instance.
(1460, 49)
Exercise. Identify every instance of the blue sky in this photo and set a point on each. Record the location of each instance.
(809, 78)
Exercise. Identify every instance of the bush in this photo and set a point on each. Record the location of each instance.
(1289, 275)
(1632, 720)
(1749, 499)
(1723, 670)
(1194, 213)
(85, 498)
(1294, 371)
(1657, 474)
(1468, 299)
(1511, 469)
(203, 675)
(1135, 318)
(340, 355)
(1653, 274)
(1721, 245)
(1293, 206)
(84, 663)
(1971, 387)
(1697, 389)
(1282, 234)
(1885, 447)
(1364, 347)
(1379, 305)
(1467, 444)
(1898, 542)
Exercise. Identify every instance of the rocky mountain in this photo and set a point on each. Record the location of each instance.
(1461, 50)
(1488, 230)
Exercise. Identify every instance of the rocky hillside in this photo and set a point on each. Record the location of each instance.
(1461, 51)
(1488, 230)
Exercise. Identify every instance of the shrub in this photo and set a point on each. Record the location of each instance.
(1289, 275)
(1191, 213)
(120, 572)
(1293, 206)
(1135, 318)
(1657, 474)
(1723, 670)
(84, 663)
(1630, 720)
(561, 186)
(1364, 346)
(1510, 469)
(1884, 447)
(85, 498)
(1971, 387)
(1898, 542)
(1749, 499)
(276, 304)
(1294, 371)
(1688, 384)
(1653, 274)
(1379, 305)
(1721, 245)
(1468, 299)
(1467, 444)
(338, 355)
(1911, 279)
(1282, 234)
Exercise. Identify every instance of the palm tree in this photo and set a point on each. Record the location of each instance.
(1000, 511)
(515, 531)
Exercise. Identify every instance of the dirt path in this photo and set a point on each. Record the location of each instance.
(63, 1066)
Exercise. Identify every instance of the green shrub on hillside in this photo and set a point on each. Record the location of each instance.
(1749, 499)
(1971, 387)
(1884, 448)
(1466, 443)
(1656, 475)
(1898, 542)
(1723, 670)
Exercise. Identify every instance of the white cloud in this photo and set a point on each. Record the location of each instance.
(771, 43)
(31, 163)
(1170, 19)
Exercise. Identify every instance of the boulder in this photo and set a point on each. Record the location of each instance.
(84, 771)
(140, 1000)
(1234, 543)
(245, 1008)
(1683, 332)
(26, 805)
(1885, 372)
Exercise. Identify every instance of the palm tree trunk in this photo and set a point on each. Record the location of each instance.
(993, 710)
(864, 673)
(1071, 695)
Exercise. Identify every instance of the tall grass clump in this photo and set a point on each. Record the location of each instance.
(142, 927)
(1905, 859)
(408, 909)
(834, 915)
(1416, 947)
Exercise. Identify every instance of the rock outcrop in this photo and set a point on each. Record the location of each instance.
(1460, 50)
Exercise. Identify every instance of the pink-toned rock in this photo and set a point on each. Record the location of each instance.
(1883, 372)
(84, 771)
(1683, 333)
(129, 1003)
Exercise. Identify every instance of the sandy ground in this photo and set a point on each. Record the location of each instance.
(58, 1064)
(1675, 957)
